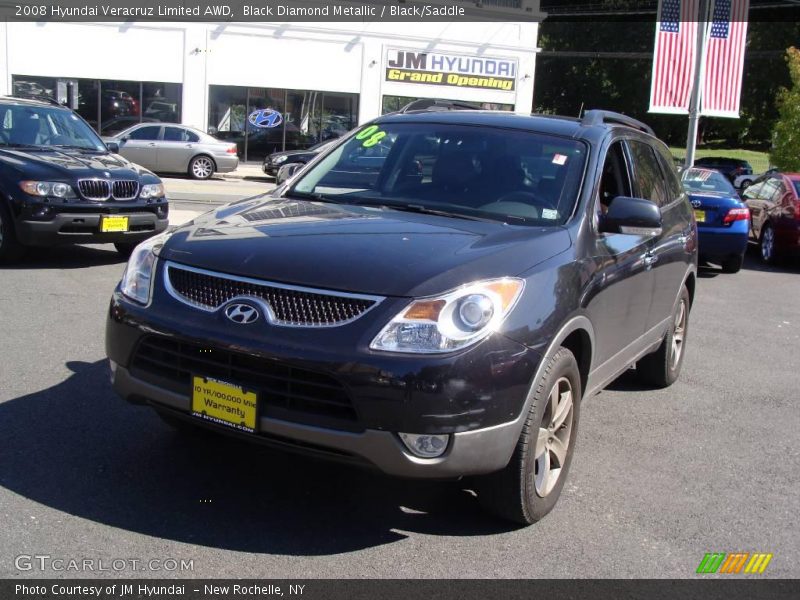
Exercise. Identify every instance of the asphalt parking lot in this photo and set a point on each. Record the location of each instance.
(659, 477)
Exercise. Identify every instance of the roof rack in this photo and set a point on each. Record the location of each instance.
(46, 99)
(434, 104)
(598, 117)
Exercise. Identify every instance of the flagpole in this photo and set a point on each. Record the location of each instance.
(697, 86)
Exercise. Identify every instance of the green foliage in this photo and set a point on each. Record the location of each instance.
(786, 150)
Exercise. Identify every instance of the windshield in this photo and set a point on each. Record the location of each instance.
(457, 170)
(42, 126)
(700, 180)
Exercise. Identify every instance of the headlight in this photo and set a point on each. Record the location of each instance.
(47, 188)
(451, 321)
(152, 190)
(137, 280)
(279, 160)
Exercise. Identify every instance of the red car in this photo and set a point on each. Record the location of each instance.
(774, 204)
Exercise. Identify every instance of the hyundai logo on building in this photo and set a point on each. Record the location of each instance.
(242, 314)
(265, 118)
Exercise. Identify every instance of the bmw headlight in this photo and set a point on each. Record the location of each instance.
(137, 280)
(152, 190)
(280, 159)
(452, 321)
(48, 188)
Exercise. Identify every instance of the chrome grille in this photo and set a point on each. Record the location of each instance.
(95, 189)
(125, 189)
(290, 305)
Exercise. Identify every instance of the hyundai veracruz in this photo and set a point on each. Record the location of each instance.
(60, 184)
(433, 296)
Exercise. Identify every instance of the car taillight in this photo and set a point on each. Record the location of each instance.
(231, 150)
(736, 214)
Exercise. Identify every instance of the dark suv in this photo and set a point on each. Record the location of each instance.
(730, 167)
(59, 183)
(433, 296)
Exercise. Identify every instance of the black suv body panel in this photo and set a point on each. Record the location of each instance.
(608, 297)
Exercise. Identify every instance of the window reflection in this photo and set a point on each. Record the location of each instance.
(109, 106)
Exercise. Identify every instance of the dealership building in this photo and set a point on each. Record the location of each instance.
(266, 86)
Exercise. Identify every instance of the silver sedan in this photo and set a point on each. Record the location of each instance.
(171, 148)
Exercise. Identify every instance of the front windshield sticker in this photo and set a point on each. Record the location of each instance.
(370, 135)
(549, 213)
(559, 159)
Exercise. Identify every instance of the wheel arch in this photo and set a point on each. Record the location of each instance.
(204, 154)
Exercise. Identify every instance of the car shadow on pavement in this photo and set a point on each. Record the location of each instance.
(78, 448)
(68, 257)
(753, 262)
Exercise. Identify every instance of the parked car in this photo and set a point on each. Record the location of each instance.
(286, 171)
(774, 204)
(170, 148)
(432, 326)
(742, 182)
(115, 126)
(60, 184)
(730, 167)
(723, 221)
(276, 160)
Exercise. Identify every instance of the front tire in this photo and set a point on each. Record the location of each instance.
(530, 485)
(201, 167)
(766, 243)
(662, 367)
(10, 248)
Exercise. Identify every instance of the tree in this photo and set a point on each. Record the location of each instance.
(785, 153)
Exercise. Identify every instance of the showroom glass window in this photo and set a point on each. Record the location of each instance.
(107, 105)
(265, 120)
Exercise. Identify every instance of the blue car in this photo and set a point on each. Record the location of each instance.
(723, 221)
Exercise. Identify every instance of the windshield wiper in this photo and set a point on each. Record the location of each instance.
(16, 145)
(315, 196)
(76, 147)
(419, 208)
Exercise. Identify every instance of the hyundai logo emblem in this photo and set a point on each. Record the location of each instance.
(243, 314)
(265, 118)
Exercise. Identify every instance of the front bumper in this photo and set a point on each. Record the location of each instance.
(84, 228)
(476, 396)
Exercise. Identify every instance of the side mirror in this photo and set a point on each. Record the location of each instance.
(113, 147)
(287, 171)
(634, 216)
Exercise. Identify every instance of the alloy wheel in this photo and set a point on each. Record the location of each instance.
(202, 168)
(552, 443)
(767, 244)
(678, 335)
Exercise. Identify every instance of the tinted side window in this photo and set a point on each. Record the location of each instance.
(178, 134)
(648, 174)
(671, 179)
(145, 133)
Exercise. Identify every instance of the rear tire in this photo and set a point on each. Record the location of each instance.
(732, 264)
(10, 248)
(201, 167)
(124, 249)
(663, 366)
(530, 485)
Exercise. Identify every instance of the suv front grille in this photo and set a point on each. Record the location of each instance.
(103, 189)
(291, 306)
(125, 189)
(95, 189)
(284, 392)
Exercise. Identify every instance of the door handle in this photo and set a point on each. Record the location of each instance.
(650, 259)
(151, 144)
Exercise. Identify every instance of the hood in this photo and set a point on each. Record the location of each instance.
(68, 163)
(291, 154)
(358, 249)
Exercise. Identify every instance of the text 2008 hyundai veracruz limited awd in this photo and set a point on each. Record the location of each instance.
(433, 296)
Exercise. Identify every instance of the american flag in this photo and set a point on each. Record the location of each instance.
(674, 57)
(724, 58)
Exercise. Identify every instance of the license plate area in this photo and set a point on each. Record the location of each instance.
(113, 224)
(700, 216)
(224, 403)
